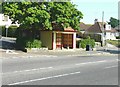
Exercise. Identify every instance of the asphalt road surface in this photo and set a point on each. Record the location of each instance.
(65, 70)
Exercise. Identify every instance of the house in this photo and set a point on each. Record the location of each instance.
(118, 30)
(83, 28)
(101, 31)
(59, 39)
(110, 32)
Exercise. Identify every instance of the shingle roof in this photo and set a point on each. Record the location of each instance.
(57, 27)
(96, 28)
(84, 26)
(69, 29)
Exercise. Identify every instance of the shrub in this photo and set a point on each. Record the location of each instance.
(87, 41)
(92, 43)
(10, 33)
(33, 44)
(21, 42)
(25, 42)
(83, 45)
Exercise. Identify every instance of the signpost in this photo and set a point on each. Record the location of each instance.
(7, 26)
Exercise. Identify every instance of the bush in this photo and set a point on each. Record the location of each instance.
(33, 44)
(11, 31)
(21, 42)
(25, 42)
(87, 41)
(83, 45)
(92, 43)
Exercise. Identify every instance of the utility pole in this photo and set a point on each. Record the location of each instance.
(103, 30)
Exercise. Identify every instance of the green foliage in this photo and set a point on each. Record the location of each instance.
(41, 15)
(11, 31)
(83, 44)
(25, 42)
(0, 7)
(88, 37)
(114, 42)
(87, 41)
(34, 44)
(21, 42)
(114, 22)
(92, 43)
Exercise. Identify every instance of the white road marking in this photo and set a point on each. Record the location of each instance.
(17, 83)
(91, 62)
(32, 69)
(110, 67)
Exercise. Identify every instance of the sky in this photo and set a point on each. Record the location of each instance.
(93, 9)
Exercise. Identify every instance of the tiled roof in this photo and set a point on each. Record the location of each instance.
(84, 26)
(96, 28)
(57, 27)
(69, 29)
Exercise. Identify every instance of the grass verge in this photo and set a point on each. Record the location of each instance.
(114, 42)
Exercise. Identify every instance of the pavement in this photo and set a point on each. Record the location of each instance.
(77, 52)
(7, 51)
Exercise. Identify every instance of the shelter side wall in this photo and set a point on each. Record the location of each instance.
(46, 39)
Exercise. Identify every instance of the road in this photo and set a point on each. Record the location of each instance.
(61, 70)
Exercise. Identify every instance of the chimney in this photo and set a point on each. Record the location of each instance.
(96, 20)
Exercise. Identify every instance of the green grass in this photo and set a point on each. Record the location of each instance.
(114, 42)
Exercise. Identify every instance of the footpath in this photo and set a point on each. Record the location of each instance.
(7, 43)
(52, 53)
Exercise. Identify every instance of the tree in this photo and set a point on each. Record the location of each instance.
(33, 16)
(113, 22)
(28, 14)
(41, 15)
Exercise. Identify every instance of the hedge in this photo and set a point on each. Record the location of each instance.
(87, 41)
(11, 31)
(25, 42)
(34, 44)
